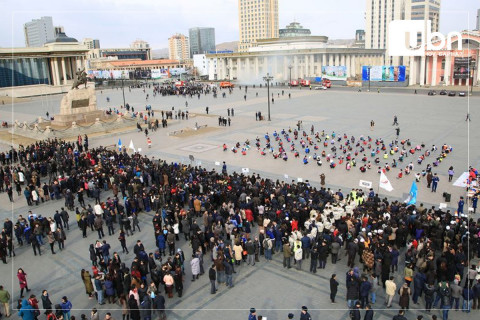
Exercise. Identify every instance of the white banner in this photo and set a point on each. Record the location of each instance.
(365, 184)
(462, 181)
(385, 183)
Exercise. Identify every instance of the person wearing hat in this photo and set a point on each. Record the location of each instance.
(304, 315)
(253, 314)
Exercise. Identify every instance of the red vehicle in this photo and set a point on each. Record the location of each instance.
(293, 83)
(305, 83)
(326, 83)
(226, 84)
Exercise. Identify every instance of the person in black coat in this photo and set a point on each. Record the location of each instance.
(159, 306)
(368, 312)
(355, 313)
(333, 287)
(47, 304)
(146, 307)
(133, 306)
(212, 275)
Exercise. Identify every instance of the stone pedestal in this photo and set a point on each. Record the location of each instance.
(80, 106)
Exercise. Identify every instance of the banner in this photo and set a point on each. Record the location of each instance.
(462, 67)
(385, 183)
(334, 72)
(412, 196)
(383, 73)
(365, 184)
(159, 73)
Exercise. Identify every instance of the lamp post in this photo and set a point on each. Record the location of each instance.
(267, 79)
(290, 79)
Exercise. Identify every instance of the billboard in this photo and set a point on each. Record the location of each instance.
(159, 73)
(177, 71)
(140, 74)
(383, 73)
(334, 72)
(462, 67)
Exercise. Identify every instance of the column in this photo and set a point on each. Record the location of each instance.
(353, 72)
(247, 65)
(330, 59)
(307, 66)
(275, 66)
(422, 71)
(256, 68)
(342, 60)
(446, 75)
(64, 71)
(230, 64)
(477, 78)
(312, 65)
(434, 70)
(295, 67)
(412, 72)
(324, 59)
(348, 62)
(285, 68)
(265, 65)
(57, 72)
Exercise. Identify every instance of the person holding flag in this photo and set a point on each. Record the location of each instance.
(119, 145)
(384, 182)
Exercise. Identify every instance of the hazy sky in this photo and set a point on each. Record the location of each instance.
(119, 22)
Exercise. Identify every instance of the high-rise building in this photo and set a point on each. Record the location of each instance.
(178, 47)
(426, 10)
(139, 44)
(38, 32)
(91, 43)
(202, 40)
(258, 19)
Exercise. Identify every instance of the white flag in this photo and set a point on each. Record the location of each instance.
(130, 146)
(384, 183)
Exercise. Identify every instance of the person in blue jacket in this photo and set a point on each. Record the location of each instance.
(27, 312)
(161, 243)
(66, 307)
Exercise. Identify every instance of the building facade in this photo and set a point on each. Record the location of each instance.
(38, 32)
(455, 67)
(178, 47)
(91, 43)
(139, 44)
(120, 53)
(258, 19)
(202, 40)
(291, 62)
(294, 29)
(202, 64)
(54, 64)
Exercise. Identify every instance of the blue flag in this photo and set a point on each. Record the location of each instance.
(412, 197)
(119, 144)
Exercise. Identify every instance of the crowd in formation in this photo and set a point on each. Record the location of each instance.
(232, 221)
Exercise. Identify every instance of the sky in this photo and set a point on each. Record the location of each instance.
(117, 23)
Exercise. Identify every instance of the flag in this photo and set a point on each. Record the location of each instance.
(119, 145)
(385, 183)
(412, 196)
(130, 146)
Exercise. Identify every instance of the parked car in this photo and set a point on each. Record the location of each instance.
(461, 94)
(443, 92)
(432, 93)
(320, 88)
(452, 94)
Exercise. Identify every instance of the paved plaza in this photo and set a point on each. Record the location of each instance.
(267, 286)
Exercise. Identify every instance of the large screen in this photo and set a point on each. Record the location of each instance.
(334, 72)
(462, 67)
(383, 73)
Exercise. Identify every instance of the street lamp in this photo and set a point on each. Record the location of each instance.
(267, 79)
(290, 68)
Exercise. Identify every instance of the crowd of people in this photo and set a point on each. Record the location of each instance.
(231, 221)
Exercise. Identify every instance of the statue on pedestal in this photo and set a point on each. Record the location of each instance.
(81, 79)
